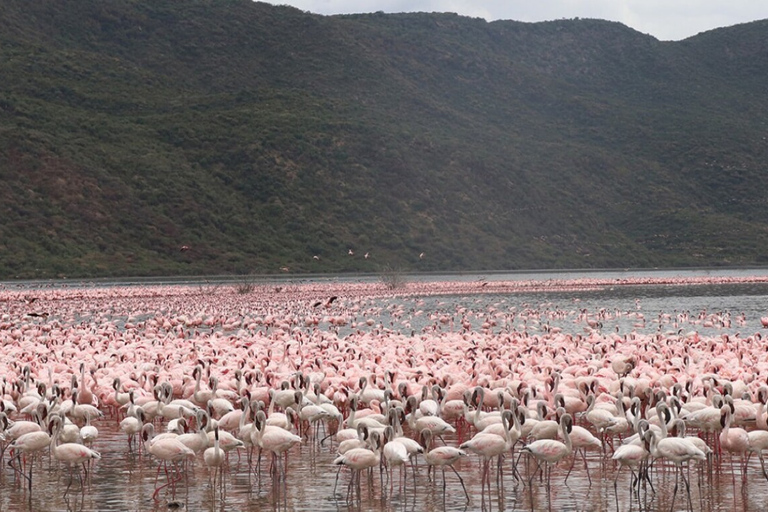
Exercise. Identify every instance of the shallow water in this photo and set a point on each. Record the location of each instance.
(124, 480)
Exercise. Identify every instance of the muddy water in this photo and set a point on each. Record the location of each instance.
(125, 481)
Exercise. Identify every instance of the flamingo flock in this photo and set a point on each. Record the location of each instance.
(383, 379)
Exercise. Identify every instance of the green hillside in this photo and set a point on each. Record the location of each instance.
(264, 137)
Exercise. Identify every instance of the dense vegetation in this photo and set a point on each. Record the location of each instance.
(264, 137)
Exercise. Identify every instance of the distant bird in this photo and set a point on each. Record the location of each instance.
(351, 252)
(184, 248)
(285, 269)
(316, 257)
(327, 302)
(30, 300)
(366, 255)
(421, 256)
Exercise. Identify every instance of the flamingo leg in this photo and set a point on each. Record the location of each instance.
(687, 487)
(466, 494)
(336, 483)
(18, 470)
(69, 483)
(674, 493)
(762, 464)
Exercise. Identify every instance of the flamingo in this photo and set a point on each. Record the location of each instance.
(121, 398)
(31, 443)
(601, 419)
(199, 441)
(489, 445)
(84, 412)
(85, 396)
(581, 439)
(236, 418)
(166, 449)
(442, 456)
(274, 439)
(88, 433)
(631, 456)
(361, 441)
(71, 453)
(132, 425)
(551, 451)
(435, 424)
(733, 439)
(758, 439)
(395, 454)
(213, 458)
(546, 429)
(356, 459)
(679, 451)
(201, 396)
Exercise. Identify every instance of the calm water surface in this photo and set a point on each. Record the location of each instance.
(123, 480)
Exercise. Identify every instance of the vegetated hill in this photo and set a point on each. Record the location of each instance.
(263, 136)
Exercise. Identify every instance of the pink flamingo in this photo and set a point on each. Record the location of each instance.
(632, 456)
(679, 451)
(733, 439)
(166, 449)
(489, 445)
(71, 454)
(31, 443)
(442, 456)
(357, 459)
(213, 458)
(551, 451)
(274, 439)
(395, 454)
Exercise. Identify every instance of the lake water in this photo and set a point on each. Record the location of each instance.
(124, 480)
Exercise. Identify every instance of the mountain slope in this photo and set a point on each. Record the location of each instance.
(261, 136)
